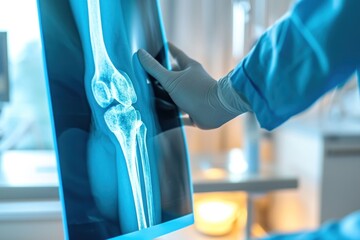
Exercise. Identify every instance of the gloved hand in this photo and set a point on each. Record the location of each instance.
(208, 102)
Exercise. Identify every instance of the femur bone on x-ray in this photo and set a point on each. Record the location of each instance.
(123, 120)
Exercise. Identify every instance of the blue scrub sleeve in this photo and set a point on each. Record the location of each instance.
(311, 50)
(347, 229)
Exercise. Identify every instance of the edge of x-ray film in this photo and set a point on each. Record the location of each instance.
(151, 231)
(158, 230)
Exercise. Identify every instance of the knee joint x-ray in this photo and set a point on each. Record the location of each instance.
(121, 152)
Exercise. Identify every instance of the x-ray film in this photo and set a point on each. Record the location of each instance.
(122, 157)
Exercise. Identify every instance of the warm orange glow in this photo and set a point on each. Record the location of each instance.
(216, 217)
(223, 213)
(219, 213)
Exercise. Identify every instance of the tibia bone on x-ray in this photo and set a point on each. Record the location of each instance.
(123, 120)
(119, 122)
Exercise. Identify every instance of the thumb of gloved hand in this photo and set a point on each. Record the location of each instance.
(191, 88)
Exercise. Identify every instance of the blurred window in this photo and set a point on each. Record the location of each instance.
(25, 127)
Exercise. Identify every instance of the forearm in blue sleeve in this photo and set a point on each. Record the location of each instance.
(311, 50)
(347, 228)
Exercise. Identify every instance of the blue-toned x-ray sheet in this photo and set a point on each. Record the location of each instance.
(122, 157)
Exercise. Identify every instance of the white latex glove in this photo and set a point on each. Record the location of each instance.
(208, 102)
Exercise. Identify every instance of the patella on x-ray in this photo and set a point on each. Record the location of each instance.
(121, 152)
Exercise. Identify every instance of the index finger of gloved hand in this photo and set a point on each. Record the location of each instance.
(154, 68)
(182, 59)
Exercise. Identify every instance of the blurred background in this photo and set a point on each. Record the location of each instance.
(247, 181)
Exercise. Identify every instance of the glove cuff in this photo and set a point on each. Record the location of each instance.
(231, 100)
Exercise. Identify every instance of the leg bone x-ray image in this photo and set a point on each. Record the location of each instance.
(122, 156)
(122, 119)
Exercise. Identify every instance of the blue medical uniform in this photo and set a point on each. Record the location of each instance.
(311, 50)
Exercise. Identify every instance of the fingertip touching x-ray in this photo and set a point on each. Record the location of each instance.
(118, 133)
